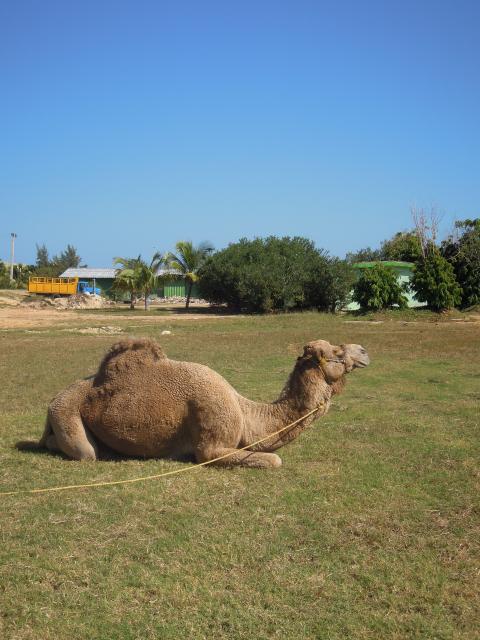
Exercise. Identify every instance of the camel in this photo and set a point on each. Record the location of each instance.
(142, 403)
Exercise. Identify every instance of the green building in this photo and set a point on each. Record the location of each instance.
(403, 271)
(171, 284)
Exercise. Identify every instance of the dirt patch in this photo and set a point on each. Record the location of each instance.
(24, 317)
(98, 331)
(21, 317)
(11, 302)
(12, 297)
(77, 301)
(363, 321)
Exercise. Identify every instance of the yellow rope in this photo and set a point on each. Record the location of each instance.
(166, 473)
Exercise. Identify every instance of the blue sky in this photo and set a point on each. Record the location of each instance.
(126, 126)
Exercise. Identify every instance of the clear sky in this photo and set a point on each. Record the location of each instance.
(129, 125)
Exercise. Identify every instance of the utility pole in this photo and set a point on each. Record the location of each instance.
(12, 253)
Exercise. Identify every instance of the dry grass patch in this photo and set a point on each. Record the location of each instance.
(369, 530)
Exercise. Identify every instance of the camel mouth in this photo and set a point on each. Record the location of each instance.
(361, 361)
(361, 364)
(357, 355)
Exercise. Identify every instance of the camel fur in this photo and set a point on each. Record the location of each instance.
(142, 403)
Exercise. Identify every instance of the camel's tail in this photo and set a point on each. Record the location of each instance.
(33, 445)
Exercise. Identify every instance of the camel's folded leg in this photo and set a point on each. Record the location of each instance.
(69, 433)
(71, 436)
(238, 457)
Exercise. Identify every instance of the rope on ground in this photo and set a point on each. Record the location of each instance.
(165, 473)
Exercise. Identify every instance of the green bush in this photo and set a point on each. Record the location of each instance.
(274, 274)
(5, 282)
(434, 281)
(378, 288)
(58, 264)
(463, 252)
(330, 285)
(21, 274)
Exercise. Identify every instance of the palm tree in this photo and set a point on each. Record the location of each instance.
(188, 260)
(126, 277)
(147, 275)
(136, 276)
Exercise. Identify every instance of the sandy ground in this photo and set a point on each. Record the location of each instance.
(15, 316)
(24, 318)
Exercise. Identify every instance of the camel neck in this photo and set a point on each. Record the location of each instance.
(306, 389)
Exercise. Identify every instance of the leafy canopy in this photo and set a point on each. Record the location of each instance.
(58, 264)
(378, 288)
(5, 282)
(267, 274)
(136, 277)
(463, 252)
(188, 260)
(434, 281)
(404, 246)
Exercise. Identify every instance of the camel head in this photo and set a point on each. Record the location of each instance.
(335, 360)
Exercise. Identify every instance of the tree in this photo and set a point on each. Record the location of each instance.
(127, 277)
(22, 273)
(67, 259)
(434, 282)
(433, 277)
(43, 264)
(330, 287)
(403, 246)
(43, 259)
(147, 275)
(5, 282)
(462, 250)
(364, 255)
(269, 274)
(188, 260)
(378, 288)
(58, 264)
(135, 276)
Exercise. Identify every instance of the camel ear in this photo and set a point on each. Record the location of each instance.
(312, 351)
(307, 351)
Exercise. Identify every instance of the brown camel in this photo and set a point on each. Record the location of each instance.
(144, 404)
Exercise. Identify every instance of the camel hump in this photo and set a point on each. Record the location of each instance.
(127, 354)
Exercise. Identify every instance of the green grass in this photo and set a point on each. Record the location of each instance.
(411, 314)
(370, 529)
(124, 310)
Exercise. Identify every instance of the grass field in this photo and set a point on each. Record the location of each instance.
(370, 529)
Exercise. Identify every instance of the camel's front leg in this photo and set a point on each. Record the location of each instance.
(69, 433)
(71, 437)
(216, 431)
(236, 457)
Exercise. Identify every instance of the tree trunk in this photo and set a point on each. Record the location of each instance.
(132, 300)
(146, 300)
(190, 286)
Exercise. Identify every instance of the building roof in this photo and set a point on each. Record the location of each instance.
(387, 263)
(86, 272)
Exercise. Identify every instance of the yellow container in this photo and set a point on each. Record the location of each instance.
(56, 286)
